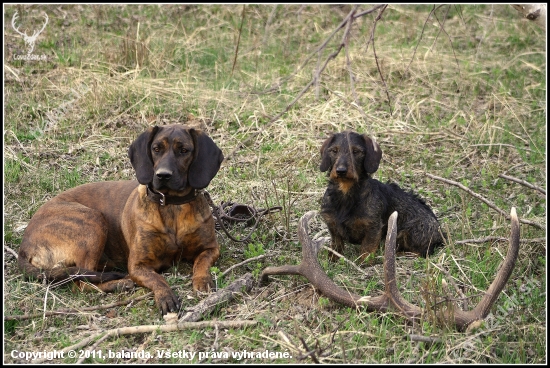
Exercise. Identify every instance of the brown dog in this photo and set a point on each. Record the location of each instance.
(144, 226)
(356, 207)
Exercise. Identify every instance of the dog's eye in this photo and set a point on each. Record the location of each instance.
(184, 150)
(334, 150)
(356, 151)
(156, 149)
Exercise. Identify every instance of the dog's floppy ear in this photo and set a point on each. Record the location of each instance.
(207, 161)
(325, 158)
(372, 156)
(140, 155)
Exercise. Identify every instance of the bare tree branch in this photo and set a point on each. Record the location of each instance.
(442, 28)
(152, 328)
(523, 182)
(376, 56)
(349, 18)
(484, 200)
(418, 43)
(76, 310)
(238, 41)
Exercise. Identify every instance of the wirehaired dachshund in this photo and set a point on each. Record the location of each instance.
(144, 226)
(356, 207)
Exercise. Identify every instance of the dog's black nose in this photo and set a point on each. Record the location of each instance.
(164, 174)
(341, 170)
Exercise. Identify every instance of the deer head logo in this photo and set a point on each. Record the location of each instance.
(29, 40)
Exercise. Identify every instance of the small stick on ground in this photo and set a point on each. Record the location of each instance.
(346, 22)
(14, 253)
(152, 328)
(522, 182)
(427, 339)
(351, 263)
(77, 310)
(484, 200)
(499, 239)
(261, 256)
(223, 295)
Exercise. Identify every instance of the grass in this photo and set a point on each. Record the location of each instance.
(470, 106)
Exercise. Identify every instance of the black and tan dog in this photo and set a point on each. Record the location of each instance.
(356, 207)
(144, 226)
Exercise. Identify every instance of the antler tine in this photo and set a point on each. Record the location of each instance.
(15, 16)
(36, 33)
(310, 269)
(462, 318)
(392, 292)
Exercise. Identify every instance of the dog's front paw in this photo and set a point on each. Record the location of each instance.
(202, 283)
(167, 301)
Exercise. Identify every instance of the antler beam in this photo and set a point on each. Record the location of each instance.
(392, 298)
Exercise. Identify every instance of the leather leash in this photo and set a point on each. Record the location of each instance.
(235, 213)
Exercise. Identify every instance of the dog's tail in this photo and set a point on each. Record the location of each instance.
(30, 271)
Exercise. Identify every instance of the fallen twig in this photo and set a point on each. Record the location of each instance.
(261, 256)
(319, 71)
(442, 28)
(427, 339)
(351, 263)
(523, 182)
(76, 310)
(376, 56)
(499, 239)
(14, 253)
(484, 200)
(321, 47)
(151, 328)
(421, 35)
(223, 295)
(238, 41)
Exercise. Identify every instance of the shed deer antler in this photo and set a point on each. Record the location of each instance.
(29, 40)
(392, 298)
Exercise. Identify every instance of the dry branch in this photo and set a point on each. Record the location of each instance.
(257, 258)
(238, 40)
(77, 310)
(523, 182)
(376, 56)
(497, 238)
(223, 295)
(349, 18)
(484, 200)
(152, 328)
(346, 22)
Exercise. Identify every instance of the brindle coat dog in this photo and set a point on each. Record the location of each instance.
(144, 226)
(356, 207)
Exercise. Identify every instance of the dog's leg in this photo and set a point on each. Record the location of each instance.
(337, 242)
(146, 277)
(202, 280)
(371, 240)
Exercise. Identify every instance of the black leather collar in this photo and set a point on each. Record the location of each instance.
(163, 200)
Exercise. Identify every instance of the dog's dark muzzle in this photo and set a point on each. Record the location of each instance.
(166, 179)
(341, 171)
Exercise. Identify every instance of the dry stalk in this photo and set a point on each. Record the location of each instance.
(152, 328)
(77, 310)
(484, 200)
(346, 22)
(223, 295)
(523, 182)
